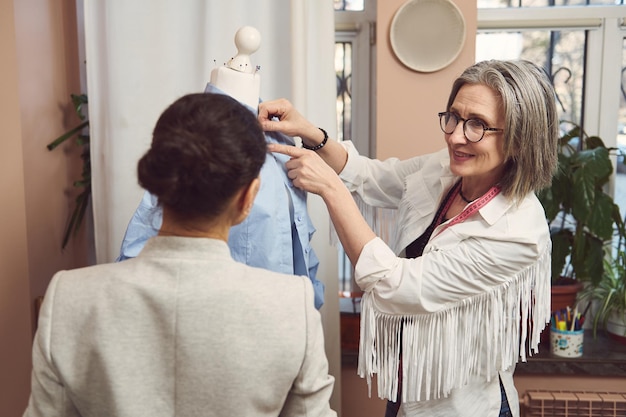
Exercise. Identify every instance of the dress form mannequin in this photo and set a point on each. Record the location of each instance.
(238, 78)
(277, 233)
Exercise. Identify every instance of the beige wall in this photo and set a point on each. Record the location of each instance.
(47, 53)
(408, 101)
(39, 70)
(15, 334)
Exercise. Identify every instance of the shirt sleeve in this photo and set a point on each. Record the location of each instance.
(318, 286)
(441, 277)
(144, 224)
(381, 183)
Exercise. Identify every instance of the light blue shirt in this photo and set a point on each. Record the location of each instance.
(276, 235)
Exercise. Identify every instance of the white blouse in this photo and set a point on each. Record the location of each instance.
(468, 309)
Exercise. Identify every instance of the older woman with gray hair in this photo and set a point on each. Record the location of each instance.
(461, 292)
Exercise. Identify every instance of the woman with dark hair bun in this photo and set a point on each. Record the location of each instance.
(205, 149)
(183, 329)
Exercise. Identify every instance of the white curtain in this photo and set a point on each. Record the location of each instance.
(143, 54)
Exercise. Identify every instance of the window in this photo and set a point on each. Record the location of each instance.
(584, 50)
(354, 48)
(544, 3)
(349, 5)
(620, 178)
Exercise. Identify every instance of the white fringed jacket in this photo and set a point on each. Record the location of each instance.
(469, 308)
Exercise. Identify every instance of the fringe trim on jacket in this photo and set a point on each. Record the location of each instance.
(482, 335)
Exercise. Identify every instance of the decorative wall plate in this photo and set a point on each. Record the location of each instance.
(427, 35)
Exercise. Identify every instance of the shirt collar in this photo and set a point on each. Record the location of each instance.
(210, 88)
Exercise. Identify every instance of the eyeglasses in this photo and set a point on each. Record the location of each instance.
(473, 129)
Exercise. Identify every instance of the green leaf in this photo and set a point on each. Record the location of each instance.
(550, 204)
(583, 194)
(588, 257)
(594, 142)
(82, 200)
(574, 133)
(561, 248)
(600, 223)
(78, 100)
(56, 142)
(597, 163)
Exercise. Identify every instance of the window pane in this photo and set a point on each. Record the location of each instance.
(620, 177)
(545, 3)
(343, 70)
(560, 53)
(349, 5)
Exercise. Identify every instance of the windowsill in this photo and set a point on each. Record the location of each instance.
(602, 356)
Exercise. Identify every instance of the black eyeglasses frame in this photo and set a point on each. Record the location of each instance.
(460, 119)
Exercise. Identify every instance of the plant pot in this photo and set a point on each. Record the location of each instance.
(564, 293)
(616, 327)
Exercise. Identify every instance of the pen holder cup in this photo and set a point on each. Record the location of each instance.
(565, 343)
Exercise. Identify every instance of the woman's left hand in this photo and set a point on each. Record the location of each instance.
(280, 116)
(308, 171)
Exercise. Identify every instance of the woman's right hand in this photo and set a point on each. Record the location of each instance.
(308, 171)
(280, 116)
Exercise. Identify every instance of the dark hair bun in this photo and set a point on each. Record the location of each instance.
(205, 147)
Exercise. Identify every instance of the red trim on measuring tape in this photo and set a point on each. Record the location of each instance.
(473, 207)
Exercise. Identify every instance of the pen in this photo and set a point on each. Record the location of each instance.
(573, 327)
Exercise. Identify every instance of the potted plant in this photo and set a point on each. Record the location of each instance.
(582, 216)
(82, 139)
(609, 295)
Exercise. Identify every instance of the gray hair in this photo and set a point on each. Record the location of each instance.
(531, 129)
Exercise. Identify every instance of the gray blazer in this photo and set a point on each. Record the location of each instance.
(181, 330)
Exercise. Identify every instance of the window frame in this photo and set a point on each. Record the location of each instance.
(359, 28)
(606, 26)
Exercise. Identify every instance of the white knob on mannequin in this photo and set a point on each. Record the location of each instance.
(238, 78)
(247, 41)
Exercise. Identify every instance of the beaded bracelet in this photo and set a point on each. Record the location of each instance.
(317, 147)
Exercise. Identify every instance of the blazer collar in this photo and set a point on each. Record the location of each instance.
(185, 247)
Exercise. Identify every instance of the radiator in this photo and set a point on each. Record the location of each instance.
(573, 403)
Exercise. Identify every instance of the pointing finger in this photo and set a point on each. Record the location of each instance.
(285, 149)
